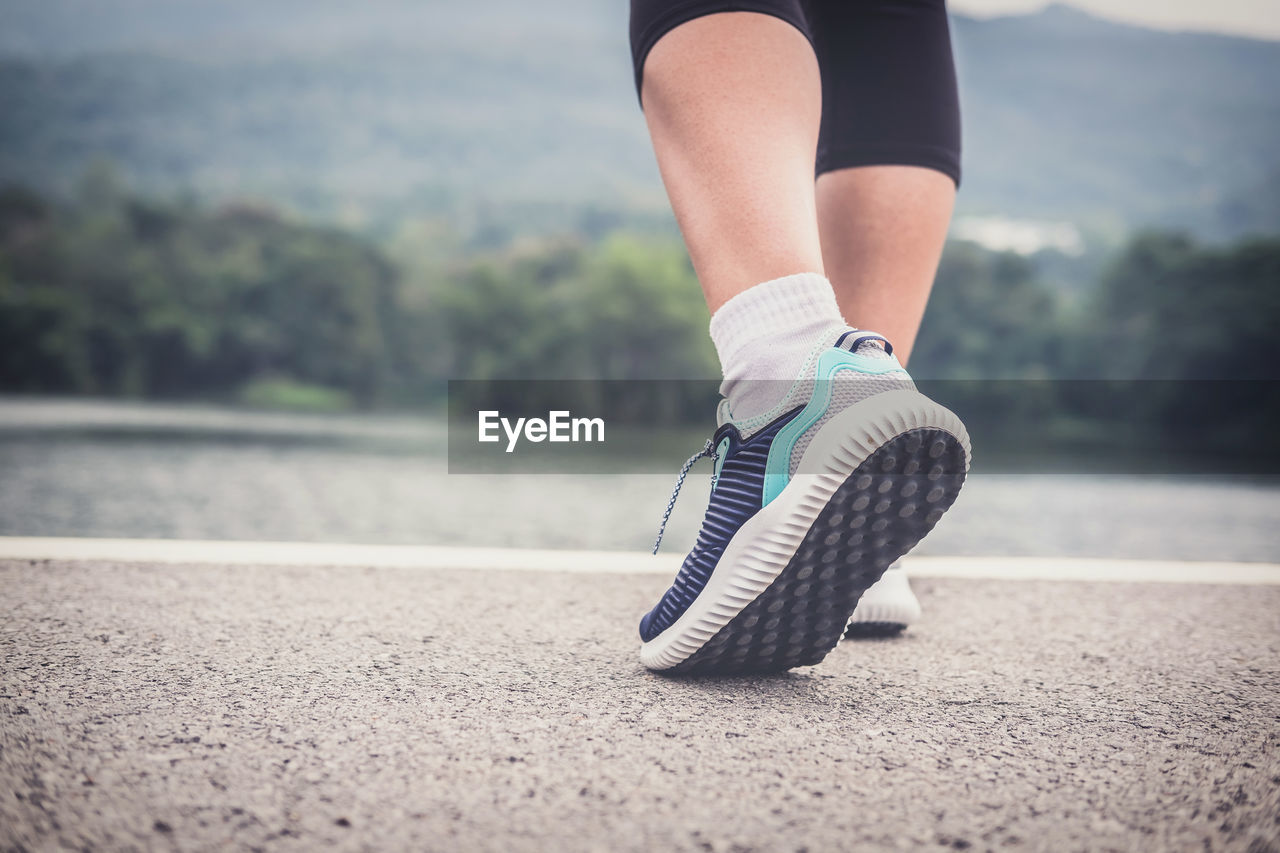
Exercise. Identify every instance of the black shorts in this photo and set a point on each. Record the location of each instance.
(888, 79)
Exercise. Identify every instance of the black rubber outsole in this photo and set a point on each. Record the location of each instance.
(879, 513)
(874, 630)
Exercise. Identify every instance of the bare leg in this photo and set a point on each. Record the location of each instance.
(733, 102)
(882, 232)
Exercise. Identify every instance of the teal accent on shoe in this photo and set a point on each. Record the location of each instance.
(721, 452)
(777, 472)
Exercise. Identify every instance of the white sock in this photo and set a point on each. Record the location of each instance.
(766, 333)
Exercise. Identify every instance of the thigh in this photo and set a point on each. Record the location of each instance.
(888, 84)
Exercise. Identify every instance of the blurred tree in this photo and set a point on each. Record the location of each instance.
(989, 318)
(117, 295)
(1203, 320)
(1174, 310)
(621, 309)
(122, 296)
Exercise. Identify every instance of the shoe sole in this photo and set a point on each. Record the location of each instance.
(886, 609)
(873, 630)
(875, 480)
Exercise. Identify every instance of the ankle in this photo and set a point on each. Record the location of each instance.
(764, 335)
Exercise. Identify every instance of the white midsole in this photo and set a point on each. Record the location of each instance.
(765, 544)
(888, 601)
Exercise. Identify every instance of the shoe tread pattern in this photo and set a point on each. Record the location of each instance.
(878, 514)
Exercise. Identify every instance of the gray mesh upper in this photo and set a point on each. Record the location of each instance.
(848, 387)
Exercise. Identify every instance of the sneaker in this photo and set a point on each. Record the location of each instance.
(887, 608)
(810, 504)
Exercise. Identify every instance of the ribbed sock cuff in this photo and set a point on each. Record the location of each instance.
(775, 308)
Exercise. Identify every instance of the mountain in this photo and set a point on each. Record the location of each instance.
(401, 107)
(1070, 116)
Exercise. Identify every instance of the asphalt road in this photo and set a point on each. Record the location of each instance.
(284, 708)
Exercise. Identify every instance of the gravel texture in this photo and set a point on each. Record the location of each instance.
(197, 707)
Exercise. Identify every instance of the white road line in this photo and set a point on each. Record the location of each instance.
(171, 551)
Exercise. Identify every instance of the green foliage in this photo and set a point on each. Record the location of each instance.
(121, 296)
(1176, 310)
(117, 295)
(989, 318)
(292, 396)
(1151, 358)
(622, 309)
(1204, 319)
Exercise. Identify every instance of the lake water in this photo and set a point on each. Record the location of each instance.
(73, 468)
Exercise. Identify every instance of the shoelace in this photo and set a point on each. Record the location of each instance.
(707, 450)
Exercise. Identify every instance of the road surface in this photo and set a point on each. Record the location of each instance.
(282, 708)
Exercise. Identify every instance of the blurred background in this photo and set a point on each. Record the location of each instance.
(244, 245)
